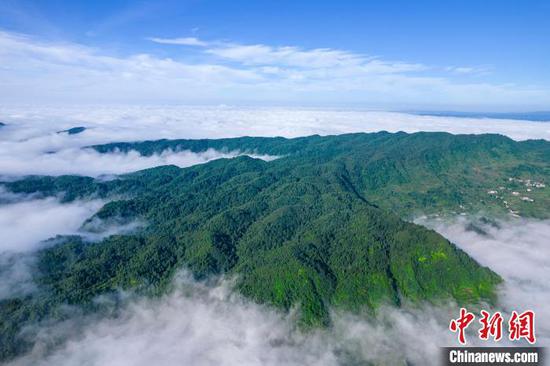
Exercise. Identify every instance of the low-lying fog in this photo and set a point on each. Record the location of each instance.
(518, 250)
(28, 221)
(91, 163)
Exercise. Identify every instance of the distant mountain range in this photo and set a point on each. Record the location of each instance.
(325, 225)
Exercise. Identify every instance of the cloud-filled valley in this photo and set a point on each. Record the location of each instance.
(24, 224)
(91, 163)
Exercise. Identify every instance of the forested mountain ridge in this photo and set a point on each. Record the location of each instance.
(409, 174)
(318, 228)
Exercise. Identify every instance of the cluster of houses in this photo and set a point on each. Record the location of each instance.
(527, 183)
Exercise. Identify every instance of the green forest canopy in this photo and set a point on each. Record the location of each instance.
(320, 227)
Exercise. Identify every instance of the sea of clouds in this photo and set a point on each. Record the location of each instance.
(200, 324)
(30, 144)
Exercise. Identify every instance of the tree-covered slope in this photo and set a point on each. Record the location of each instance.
(408, 173)
(319, 228)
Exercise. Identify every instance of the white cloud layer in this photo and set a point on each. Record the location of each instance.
(519, 251)
(24, 224)
(200, 325)
(16, 272)
(130, 123)
(30, 144)
(60, 72)
(91, 163)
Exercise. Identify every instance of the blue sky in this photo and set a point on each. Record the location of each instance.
(461, 55)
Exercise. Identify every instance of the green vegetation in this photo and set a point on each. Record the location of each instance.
(320, 227)
(406, 173)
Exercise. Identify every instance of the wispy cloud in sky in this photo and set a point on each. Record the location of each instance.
(468, 70)
(261, 54)
(226, 72)
(185, 41)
